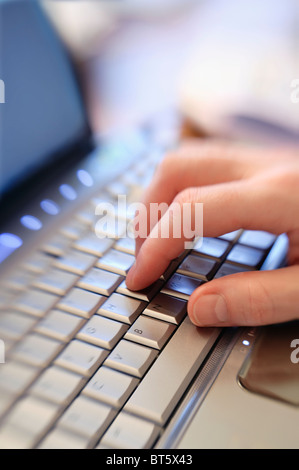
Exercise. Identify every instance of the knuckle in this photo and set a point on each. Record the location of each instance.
(188, 195)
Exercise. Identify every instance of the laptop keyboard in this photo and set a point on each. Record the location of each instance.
(90, 363)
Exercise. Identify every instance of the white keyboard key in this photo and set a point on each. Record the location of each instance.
(257, 239)
(100, 281)
(27, 423)
(74, 229)
(19, 281)
(60, 439)
(131, 358)
(94, 245)
(150, 332)
(116, 261)
(56, 281)
(35, 302)
(145, 294)
(102, 332)
(213, 247)
(81, 358)
(57, 385)
(36, 350)
(129, 432)
(6, 400)
(59, 325)
(110, 386)
(172, 372)
(81, 302)
(13, 325)
(87, 417)
(16, 377)
(181, 286)
(86, 215)
(75, 262)
(126, 244)
(167, 308)
(231, 236)
(57, 245)
(38, 262)
(122, 308)
(246, 256)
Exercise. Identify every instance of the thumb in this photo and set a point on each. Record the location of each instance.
(247, 299)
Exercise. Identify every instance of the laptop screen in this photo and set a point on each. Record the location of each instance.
(41, 111)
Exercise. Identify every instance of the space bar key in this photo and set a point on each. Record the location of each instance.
(163, 386)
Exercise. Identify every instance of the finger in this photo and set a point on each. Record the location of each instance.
(194, 164)
(247, 299)
(223, 211)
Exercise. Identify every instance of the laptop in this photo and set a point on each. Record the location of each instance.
(84, 362)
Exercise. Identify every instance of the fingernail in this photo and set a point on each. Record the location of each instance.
(210, 310)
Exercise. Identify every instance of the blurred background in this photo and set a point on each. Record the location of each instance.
(227, 66)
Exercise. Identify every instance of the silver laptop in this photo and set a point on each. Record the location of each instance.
(84, 362)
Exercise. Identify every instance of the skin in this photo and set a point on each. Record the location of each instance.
(240, 187)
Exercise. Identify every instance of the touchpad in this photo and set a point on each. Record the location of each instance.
(272, 367)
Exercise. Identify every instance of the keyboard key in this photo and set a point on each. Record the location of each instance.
(213, 247)
(257, 239)
(198, 267)
(36, 350)
(27, 423)
(35, 302)
(131, 358)
(87, 417)
(181, 286)
(110, 386)
(57, 245)
(130, 432)
(100, 281)
(145, 294)
(74, 229)
(19, 281)
(38, 262)
(16, 377)
(150, 332)
(57, 386)
(116, 261)
(246, 256)
(75, 262)
(61, 439)
(13, 325)
(122, 308)
(81, 358)
(94, 245)
(56, 281)
(226, 269)
(59, 325)
(172, 372)
(167, 308)
(102, 332)
(81, 302)
(231, 236)
(126, 244)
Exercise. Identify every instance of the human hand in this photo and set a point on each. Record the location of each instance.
(240, 187)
